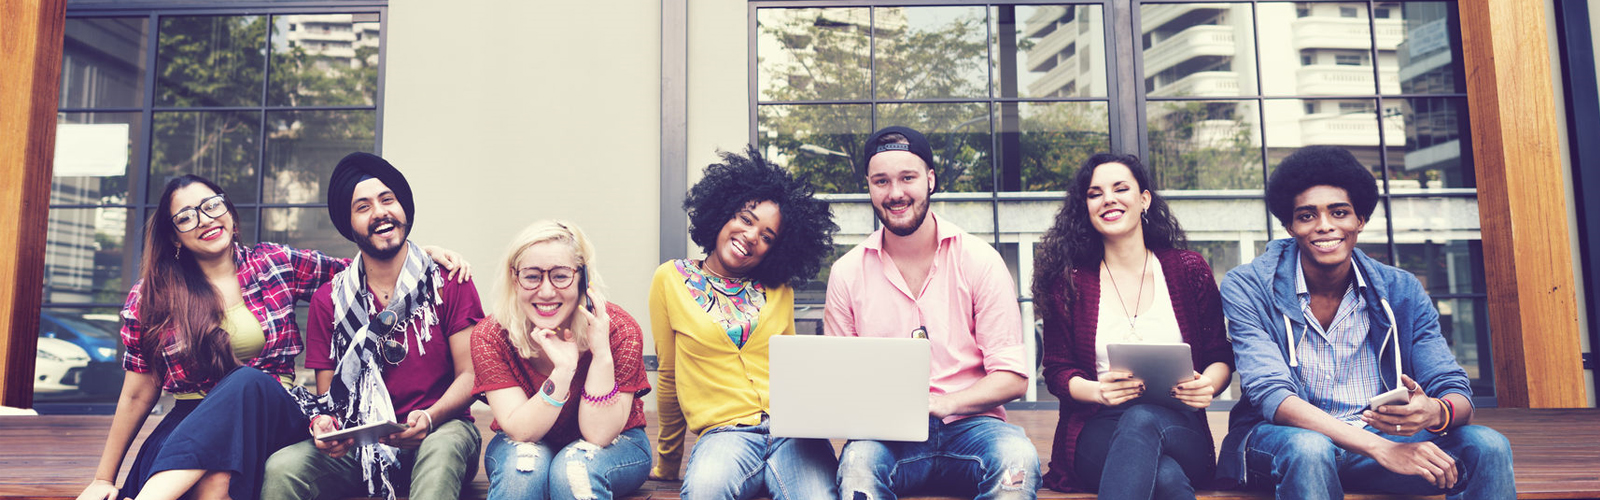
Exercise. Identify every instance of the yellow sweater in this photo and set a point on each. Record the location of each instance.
(704, 379)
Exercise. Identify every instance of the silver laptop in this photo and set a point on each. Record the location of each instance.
(849, 387)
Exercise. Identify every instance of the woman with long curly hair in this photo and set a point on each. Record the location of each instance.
(213, 323)
(763, 234)
(1113, 269)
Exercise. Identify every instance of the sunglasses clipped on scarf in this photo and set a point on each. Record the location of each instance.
(392, 351)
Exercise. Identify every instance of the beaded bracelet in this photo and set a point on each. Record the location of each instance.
(601, 400)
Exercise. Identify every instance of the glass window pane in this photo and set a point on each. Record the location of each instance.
(1430, 153)
(219, 145)
(1424, 46)
(1049, 51)
(1464, 322)
(1348, 123)
(1329, 49)
(1227, 231)
(210, 61)
(304, 146)
(960, 137)
(1205, 145)
(1051, 139)
(931, 52)
(86, 253)
(325, 60)
(813, 54)
(1201, 50)
(102, 62)
(93, 154)
(307, 227)
(79, 358)
(1443, 265)
(821, 141)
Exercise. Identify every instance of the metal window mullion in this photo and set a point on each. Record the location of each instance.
(165, 109)
(1261, 108)
(261, 133)
(753, 70)
(994, 133)
(1383, 145)
(377, 93)
(147, 141)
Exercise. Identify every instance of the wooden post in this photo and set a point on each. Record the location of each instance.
(31, 34)
(1533, 316)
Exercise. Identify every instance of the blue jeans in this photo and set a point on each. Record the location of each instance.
(1306, 464)
(982, 456)
(579, 470)
(744, 461)
(1159, 452)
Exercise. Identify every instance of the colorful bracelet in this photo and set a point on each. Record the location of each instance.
(1444, 406)
(601, 400)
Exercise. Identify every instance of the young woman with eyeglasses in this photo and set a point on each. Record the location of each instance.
(212, 322)
(1113, 270)
(562, 370)
(763, 234)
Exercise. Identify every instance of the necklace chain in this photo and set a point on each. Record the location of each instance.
(1133, 317)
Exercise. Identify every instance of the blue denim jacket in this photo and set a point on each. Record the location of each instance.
(1256, 299)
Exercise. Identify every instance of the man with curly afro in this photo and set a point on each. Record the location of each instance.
(1319, 329)
(921, 276)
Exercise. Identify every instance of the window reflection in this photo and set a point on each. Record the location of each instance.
(219, 145)
(304, 146)
(102, 62)
(931, 52)
(823, 141)
(1049, 51)
(1204, 144)
(814, 54)
(324, 60)
(959, 135)
(211, 61)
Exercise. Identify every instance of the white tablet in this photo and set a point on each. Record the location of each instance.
(1160, 366)
(365, 433)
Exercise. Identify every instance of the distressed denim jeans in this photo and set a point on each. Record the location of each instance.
(577, 471)
(1300, 463)
(980, 456)
(745, 461)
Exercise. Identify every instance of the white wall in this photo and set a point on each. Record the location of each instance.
(505, 112)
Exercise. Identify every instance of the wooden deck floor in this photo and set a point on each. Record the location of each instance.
(1557, 453)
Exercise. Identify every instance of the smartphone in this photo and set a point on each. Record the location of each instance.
(1398, 396)
(583, 288)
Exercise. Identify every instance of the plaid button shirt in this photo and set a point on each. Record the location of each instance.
(1338, 365)
(272, 278)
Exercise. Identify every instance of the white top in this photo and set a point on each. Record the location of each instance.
(1158, 324)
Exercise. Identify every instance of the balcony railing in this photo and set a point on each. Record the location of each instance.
(1328, 79)
(1196, 41)
(1320, 32)
(1353, 129)
(1201, 84)
(1050, 46)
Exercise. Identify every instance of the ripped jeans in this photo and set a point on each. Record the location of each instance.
(579, 470)
(980, 456)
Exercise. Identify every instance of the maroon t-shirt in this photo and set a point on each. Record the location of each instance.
(420, 379)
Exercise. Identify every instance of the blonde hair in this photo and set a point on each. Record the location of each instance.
(508, 310)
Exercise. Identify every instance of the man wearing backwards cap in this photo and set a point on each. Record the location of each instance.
(376, 337)
(921, 276)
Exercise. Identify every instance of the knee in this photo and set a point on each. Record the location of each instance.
(247, 378)
(1483, 445)
(1171, 481)
(515, 470)
(709, 483)
(1146, 417)
(863, 459)
(1307, 449)
(289, 461)
(571, 475)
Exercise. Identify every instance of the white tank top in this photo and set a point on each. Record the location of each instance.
(1158, 324)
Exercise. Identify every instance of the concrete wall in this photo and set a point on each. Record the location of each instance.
(506, 112)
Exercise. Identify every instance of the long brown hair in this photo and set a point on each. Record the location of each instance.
(178, 305)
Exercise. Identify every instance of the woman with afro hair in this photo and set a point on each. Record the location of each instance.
(1113, 270)
(763, 234)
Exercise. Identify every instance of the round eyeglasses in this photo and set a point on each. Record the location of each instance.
(189, 218)
(529, 278)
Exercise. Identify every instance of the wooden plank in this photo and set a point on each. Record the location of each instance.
(1554, 453)
(30, 58)
(1527, 260)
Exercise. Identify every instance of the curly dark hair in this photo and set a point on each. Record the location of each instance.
(805, 236)
(1073, 242)
(1313, 166)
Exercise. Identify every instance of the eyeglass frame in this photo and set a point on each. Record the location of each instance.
(197, 211)
(544, 276)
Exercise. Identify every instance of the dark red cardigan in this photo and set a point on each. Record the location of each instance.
(1069, 345)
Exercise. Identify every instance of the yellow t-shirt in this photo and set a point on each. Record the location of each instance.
(245, 335)
(704, 380)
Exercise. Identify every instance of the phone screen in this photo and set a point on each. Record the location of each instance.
(583, 288)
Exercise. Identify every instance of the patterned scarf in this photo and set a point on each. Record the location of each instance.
(358, 395)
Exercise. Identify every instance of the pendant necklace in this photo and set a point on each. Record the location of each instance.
(1133, 317)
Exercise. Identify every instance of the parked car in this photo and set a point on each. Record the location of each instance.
(58, 366)
(96, 336)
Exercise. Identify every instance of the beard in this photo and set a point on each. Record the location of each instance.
(919, 213)
(364, 242)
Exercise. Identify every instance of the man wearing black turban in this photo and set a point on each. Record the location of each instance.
(389, 338)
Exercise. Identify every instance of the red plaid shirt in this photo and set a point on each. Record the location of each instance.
(272, 278)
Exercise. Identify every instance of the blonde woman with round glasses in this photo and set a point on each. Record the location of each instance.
(562, 370)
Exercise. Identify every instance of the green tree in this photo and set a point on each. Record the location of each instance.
(1203, 145)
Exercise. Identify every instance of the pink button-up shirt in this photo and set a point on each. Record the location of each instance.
(968, 306)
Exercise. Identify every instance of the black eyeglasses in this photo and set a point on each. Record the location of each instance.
(189, 218)
(529, 278)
